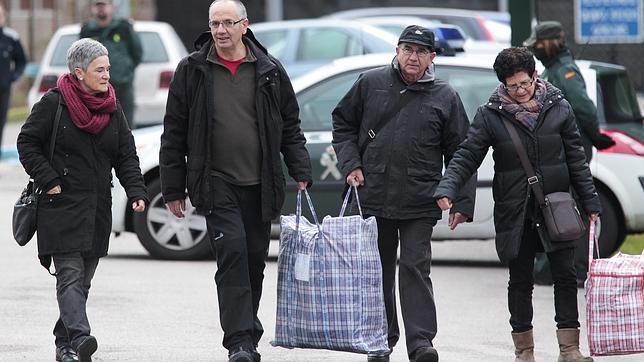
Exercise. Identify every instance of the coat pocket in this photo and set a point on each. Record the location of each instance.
(65, 223)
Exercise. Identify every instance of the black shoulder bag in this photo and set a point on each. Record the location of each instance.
(25, 210)
(560, 214)
(401, 102)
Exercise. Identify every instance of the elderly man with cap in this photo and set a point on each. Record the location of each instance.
(124, 46)
(391, 133)
(548, 43)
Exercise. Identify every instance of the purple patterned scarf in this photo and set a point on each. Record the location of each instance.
(528, 112)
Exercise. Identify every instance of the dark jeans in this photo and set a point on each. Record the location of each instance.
(5, 95)
(240, 239)
(521, 284)
(125, 94)
(73, 279)
(415, 285)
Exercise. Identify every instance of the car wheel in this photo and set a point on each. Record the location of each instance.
(166, 237)
(610, 227)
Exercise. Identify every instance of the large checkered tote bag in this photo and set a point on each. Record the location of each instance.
(329, 287)
(614, 303)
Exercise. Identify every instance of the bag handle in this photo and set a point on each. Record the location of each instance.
(346, 201)
(533, 180)
(593, 240)
(298, 210)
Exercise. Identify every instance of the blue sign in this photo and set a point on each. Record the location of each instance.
(609, 21)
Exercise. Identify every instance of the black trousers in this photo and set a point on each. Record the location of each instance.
(125, 94)
(73, 279)
(240, 239)
(5, 95)
(521, 284)
(415, 284)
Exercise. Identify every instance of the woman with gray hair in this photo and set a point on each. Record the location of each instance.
(74, 208)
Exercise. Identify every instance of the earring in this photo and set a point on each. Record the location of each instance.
(81, 78)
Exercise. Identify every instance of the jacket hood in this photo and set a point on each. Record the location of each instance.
(430, 73)
(551, 91)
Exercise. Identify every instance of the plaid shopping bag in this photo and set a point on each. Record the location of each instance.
(615, 303)
(329, 288)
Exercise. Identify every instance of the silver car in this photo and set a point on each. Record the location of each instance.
(303, 45)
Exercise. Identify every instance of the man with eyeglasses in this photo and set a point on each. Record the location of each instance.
(124, 47)
(231, 111)
(392, 132)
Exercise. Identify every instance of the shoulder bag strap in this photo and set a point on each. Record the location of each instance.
(54, 130)
(400, 101)
(52, 138)
(533, 180)
(45, 261)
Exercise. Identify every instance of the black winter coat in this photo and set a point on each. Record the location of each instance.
(184, 158)
(402, 165)
(80, 217)
(555, 151)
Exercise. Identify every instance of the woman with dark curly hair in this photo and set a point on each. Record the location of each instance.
(546, 126)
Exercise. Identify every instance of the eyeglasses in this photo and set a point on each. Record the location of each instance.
(523, 85)
(228, 23)
(421, 52)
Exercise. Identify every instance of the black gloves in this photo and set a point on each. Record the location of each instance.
(603, 141)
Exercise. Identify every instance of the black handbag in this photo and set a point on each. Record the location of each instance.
(25, 210)
(560, 214)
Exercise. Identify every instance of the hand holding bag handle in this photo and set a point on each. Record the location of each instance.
(25, 210)
(560, 214)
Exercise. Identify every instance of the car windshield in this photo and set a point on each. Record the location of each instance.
(616, 102)
(153, 49)
(274, 41)
(473, 85)
(58, 59)
(327, 44)
(317, 102)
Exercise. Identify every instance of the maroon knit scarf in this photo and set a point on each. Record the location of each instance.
(90, 113)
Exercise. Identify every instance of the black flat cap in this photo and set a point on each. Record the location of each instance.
(416, 34)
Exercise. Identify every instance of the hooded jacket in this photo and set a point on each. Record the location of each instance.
(402, 165)
(554, 148)
(184, 158)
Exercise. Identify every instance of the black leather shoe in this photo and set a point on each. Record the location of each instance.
(378, 357)
(241, 354)
(66, 354)
(86, 348)
(426, 354)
